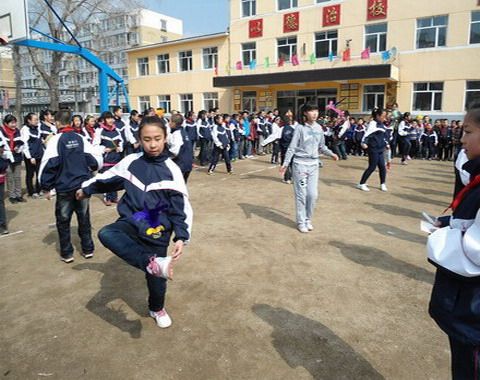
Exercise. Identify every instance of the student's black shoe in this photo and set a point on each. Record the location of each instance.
(67, 259)
(13, 200)
(21, 199)
(87, 255)
(4, 231)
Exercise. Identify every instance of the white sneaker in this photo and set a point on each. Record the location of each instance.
(383, 187)
(160, 267)
(309, 226)
(162, 318)
(363, 187)
(303, 229)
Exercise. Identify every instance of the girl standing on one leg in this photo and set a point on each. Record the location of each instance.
(375, 141)
(154, 206)
(308, 139)
(221, 138)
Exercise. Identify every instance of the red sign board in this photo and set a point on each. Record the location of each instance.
(291, 22)
(331, 15)
(377, 9)
(255, 28)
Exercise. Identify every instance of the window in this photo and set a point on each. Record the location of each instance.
(432, 32)
(286, 47)
(185, 60)
(210, 57)
(427, 96)
(376, 37)
(287, 4)
(164, 102)
(210, 100)
(163, 63)
(475, 28)
(249, 8)
(143, 103)
(249, 101)
(326, 42)
(186, 103)
(142, 66)
(249, 53)
(163, 25)
(473, 93)
(373, 96)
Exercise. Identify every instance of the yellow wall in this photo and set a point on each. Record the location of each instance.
(194, 82)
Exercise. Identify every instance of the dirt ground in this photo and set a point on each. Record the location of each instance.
(252, 297)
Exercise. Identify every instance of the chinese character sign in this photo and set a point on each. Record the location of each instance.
(331, 15)
(255, 28)
(291, 22)
(376, 9)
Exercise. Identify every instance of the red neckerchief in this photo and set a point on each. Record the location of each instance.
(69, 128)
(107, 128)
(11, 135)
(461, 194)
(90, 130)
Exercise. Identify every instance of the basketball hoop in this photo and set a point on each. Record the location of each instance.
(3, 40)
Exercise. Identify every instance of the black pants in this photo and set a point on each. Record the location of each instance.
(288, 172)
(413, 148)
(31, 171)
(3, 213)
(66, 204)
(375, 159)
(405, 146)
(465, 360)
(122, 239)
(275, 152)
(186, 175)
(217, 152)
(205, 153)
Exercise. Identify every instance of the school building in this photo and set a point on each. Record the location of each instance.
(282, 53)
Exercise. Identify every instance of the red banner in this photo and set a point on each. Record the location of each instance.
(255, 28)
(291, 22)
(377, 9)
(331, 15)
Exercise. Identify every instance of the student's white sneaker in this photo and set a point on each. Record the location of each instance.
(383, 187)
(162, 318)
(363, 187)
(303, 229)
(309, 226)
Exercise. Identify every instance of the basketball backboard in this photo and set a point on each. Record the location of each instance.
(14, 20)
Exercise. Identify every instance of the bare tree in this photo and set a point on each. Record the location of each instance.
(18, 81)
(77, 14)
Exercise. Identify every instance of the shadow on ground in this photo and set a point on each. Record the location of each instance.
(270, 214)
(265, 178)
(303, 342)
(426, 180)
(376, 258)
(395, 210)
(340, 182)
(11, 214)
(420, 199)
(430, 191)
(395, 232)
(119, 282)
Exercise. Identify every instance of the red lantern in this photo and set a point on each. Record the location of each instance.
(331, 15)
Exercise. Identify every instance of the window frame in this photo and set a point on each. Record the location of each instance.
(252, 8)
(377, 36)
(432, 96)
(376, 93)
(470, 29)
(214, 59)
(181, 102)
(436, 27)
(166, 61)
(467, 91)
(189, 62)
(292, 51)
(330, 42)
(253, 56)
(165, 104)
(147, 66)
(144, 101)
(290, 7)
(213, 99)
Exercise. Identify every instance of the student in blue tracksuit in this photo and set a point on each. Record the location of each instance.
(69, 160)
(375, 141)
(221, 139)
(455, 251)
(131, 133)
(190, 125)
(155, 206)
(120, 126)
(47, 124)
(33, 152)
(285, 140)
(11, 134)
(180, 146)
(110, 140)
(205, 136)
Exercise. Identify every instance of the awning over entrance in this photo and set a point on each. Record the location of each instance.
(302, 76)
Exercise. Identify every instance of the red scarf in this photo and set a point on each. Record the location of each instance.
(69, 128)
(108, 128)
(461, 194)
(11, 135)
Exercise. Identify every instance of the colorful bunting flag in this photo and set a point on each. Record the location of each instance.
(253, 64)
(365, 53)
(281, 61)
(385, 55)
(238, 65)
(216, 71)
(313, 59)
(267, 62)
(331, 56)
(346, 55)
(295, 61)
